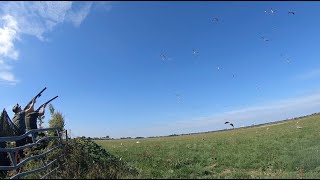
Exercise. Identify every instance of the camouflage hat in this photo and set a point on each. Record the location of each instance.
(16, 107)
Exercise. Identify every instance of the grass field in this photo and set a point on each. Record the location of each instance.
(279, 150)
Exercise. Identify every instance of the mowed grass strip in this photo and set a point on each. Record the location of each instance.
(287, 149)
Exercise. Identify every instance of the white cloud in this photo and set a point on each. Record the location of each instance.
(35, 18)
(77, 16)
(4, 66)
(38, 17)
(8, 34)
(8, 77)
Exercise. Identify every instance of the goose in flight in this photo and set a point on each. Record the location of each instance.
(215, 19)
(288, 60)
(178, 97)
(195, 52)
(264, 38)
(271, 11)
(163, 57)
(231, 125)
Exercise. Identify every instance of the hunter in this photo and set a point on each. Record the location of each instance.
(20, 123)
(31, 118)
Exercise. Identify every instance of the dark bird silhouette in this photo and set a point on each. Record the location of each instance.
(264, 38)
(226, 122)
(231, 125)
(291, 13)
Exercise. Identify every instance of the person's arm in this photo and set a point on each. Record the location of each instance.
(43, 109)
(30, 109)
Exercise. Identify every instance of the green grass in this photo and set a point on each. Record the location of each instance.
(279, 150)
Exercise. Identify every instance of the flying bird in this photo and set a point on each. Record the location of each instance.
(258, 87)
(178, 97)
(264, 38)
(227, 122)
(271, 11)
(291, 13)
(163, 57)
(195, 52)
(288, 60)
(215, 20)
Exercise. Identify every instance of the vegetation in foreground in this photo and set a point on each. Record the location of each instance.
(84, 159)
(288, 149)
(87, 160)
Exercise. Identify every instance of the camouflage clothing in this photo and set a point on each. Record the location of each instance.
(31, 120)
(19, 122)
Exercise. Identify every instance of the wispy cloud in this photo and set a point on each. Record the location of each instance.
(7, 76)
(34, 18)
(315, 73)
(8, 34)
(79, 14)
(37, 18)
(256, 114)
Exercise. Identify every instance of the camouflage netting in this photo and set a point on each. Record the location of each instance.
(7, 128)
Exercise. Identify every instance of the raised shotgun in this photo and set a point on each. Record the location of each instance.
(45, 103)
(38, 95)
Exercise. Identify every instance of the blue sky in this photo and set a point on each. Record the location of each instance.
(103, 60)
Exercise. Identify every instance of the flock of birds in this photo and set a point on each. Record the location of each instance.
(227, 122)
(195, 52)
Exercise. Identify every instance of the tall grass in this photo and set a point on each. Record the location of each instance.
(87, 160)
(278, 150)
